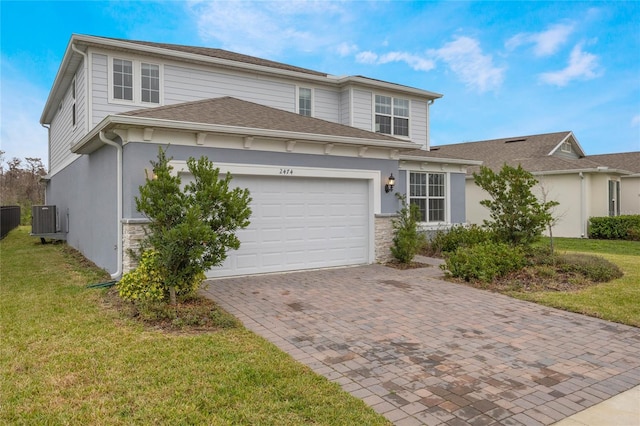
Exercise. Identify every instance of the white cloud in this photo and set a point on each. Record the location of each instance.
(582, 66)
(267, 28)
(465, 58)
(367, 57)
(346, 49)
(545, 43)
(415, 62)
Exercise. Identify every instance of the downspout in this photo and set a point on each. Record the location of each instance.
(428, 146)
(118, 147)
(48, 127)
(583, 218)
(85, 66)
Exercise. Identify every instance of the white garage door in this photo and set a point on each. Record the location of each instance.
(301, 223)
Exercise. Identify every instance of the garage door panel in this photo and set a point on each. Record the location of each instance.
(301, 223)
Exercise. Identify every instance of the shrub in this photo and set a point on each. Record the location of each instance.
(407, 239)
(458, 236)
(146, 282)
(594, 268)
(485, 261)
(516, 215)
(615, 227)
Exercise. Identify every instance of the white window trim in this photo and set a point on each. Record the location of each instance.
(137, 82)
(566, 147)
(313, 95)
(373, 115)
(447, 195)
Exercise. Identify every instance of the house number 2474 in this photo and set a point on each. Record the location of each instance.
(286, 171)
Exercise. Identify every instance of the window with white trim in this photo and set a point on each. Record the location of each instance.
(304, 101)
(392, 115)
(566, 147)
(135, 82)
(122, 79)
(428, 192)
(614, 198)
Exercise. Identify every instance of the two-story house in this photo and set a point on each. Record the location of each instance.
(322, 155)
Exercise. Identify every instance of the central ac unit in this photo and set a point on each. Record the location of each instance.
(44, 220)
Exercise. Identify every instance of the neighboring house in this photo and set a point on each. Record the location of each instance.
(585, 186)
(315, 150)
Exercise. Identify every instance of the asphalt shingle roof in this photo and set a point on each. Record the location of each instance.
(228, 111)
(624, 161)
(223, 54)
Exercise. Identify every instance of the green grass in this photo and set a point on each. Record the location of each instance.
(66, 359)
(617, 300)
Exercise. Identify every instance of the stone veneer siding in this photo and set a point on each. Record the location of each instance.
(383, 237)
(133, 231)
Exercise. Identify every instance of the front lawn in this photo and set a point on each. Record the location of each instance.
(617, 300)
(65, 358)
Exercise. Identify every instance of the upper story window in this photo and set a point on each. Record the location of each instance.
(150, 76)
(122, 79)
(392, 115)
(135, 81)
(304, 101)
(428, 192)
(566, 147)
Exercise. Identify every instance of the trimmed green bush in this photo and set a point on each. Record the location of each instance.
(407, 238)
(458, 236)
(485, 261)
(625, 227)
(594, 268)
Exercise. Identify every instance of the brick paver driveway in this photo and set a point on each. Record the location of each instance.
(423, 351)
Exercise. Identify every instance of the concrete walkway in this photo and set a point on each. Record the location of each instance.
(423, 351)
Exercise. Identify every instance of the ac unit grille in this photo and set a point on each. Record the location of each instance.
(43, 220)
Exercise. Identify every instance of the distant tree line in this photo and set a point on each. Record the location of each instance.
(20, 184)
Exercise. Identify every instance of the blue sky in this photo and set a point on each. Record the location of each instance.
(505, 68)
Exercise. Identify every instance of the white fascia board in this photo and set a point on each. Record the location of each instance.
(570, 135)
(54, 97)
(363, 81)
(440, 160)
(84, 146)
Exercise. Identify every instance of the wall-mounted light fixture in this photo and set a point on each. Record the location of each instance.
(390, 182)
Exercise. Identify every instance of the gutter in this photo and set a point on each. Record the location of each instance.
(583, 206)
(118, 147)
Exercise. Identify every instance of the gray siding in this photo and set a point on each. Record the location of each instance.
(345, 107)
(85, 193)
(327, 105)
(138, 155)
(458, 198)
(418, 122)
(184, 84)
(63, 134)
(362, 110)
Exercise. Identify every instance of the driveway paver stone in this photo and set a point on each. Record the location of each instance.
(420, 350)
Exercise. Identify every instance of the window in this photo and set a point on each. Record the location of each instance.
(428, 192)
(150, 83)
(304, 101)
(566, 147)
(614, 198)
(392, 116)
(135, 82)
(122, 79)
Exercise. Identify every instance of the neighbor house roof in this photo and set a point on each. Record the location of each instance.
(624, 161)
(535, 153)
(227, 115)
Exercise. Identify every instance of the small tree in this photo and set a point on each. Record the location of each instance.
(517, 217)
(407, 239)
(191, 230)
